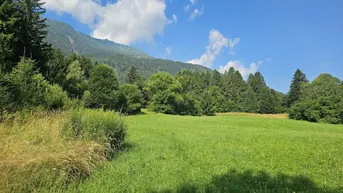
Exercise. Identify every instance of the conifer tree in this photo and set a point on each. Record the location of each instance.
(295, 88)
(8, 21)
(132, 76)
(31, 33)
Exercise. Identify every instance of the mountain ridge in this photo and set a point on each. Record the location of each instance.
(121, 57)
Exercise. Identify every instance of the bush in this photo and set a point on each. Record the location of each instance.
(7, 96)
(324, 109)
(55, 97)
(106, 128)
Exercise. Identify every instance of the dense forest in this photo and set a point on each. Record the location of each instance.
(34, 74)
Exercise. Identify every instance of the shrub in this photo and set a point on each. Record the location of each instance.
(55, 97)
(324, 109)
(106, 128)
(7, 96)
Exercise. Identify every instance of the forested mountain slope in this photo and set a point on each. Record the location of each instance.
(121, 57)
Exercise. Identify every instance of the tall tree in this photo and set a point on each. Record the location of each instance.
(74, 84)
(132, 76)
(30, 38)
(103, 87)
(295, 88)
(8, 21)
(216, 78)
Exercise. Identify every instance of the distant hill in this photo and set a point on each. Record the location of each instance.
(121, 57)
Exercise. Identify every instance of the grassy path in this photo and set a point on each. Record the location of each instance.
(224, 154)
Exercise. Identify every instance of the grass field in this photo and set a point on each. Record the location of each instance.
(224, 154)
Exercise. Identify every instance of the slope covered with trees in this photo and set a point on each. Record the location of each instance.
(121, 57)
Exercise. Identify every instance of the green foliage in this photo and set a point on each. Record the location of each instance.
(324, 109)
(75, 80)
(55, 97)
(134, 98)
(294, 94)
(9, 18)
(29, 88)
(31, 33)
(107, 128)
(132, 76)
(210, 101)
(56, 68)
(103, 86)
(7, 95)
(321, 101)
(158, 82)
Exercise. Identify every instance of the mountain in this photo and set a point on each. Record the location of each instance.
(121, 57)
(64, 37)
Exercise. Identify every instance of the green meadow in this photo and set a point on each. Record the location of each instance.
(225, 153)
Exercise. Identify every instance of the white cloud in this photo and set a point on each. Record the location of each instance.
(232, 44)
(216, 43)
(268, 59)
(187, 7)
(196, 13)
(240, 66)
(168, 51)
(122, 21)
(173, 19)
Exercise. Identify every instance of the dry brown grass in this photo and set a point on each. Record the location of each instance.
(34, 153)
(278, 116)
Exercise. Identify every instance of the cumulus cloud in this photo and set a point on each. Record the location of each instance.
(196, 13)
(216, 43)
(122, 21)
(268, 59)
(240, 66)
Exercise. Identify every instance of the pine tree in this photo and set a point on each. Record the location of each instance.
(30, 38)
(216, 78)
(132, 76)
(259, 86)
(8, 21)
(295, 88)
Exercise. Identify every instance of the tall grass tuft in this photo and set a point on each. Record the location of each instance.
(104, 127)
(36, 153)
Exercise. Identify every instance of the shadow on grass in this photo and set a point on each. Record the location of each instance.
(248, 181)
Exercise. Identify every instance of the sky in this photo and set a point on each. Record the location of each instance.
(273, 37)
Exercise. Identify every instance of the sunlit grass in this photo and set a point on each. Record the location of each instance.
(224, 154)
(35, 154)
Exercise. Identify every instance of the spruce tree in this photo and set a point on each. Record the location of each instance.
(8, 22)
(30, 38)
(216, 78)
(132, 76)
(295, 88)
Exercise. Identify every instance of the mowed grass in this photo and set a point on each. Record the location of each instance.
(223, 154)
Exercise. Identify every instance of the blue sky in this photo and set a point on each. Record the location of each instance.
(273, 37)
